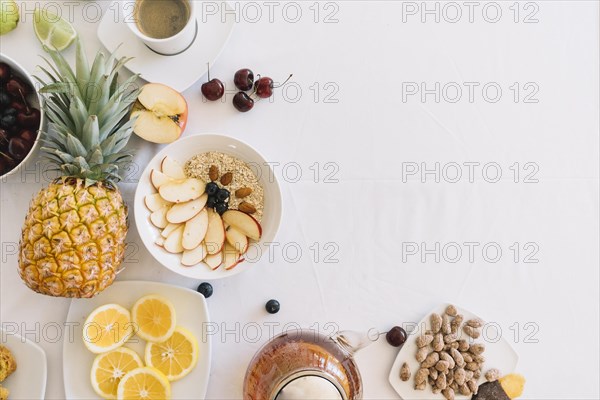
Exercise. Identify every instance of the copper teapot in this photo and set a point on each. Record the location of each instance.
(304, 364)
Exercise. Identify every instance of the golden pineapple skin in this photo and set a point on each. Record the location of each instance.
(73, 239)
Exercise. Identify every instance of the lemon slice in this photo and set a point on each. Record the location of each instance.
(144, 383)
(154, 318)
(9, 15)
(107, 328)
(176, 356)
(53, 31)
(109, 368)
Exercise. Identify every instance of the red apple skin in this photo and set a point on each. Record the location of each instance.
(183, 117)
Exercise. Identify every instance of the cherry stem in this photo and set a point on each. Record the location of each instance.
(208, 69)
(24, 101)
(284, 82)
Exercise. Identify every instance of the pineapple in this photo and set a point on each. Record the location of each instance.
(73, 239)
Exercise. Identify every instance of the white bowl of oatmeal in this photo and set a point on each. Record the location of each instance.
(247, 170)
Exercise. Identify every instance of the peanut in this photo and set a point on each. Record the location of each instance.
(451, 311)
(492, 375)
(448, 393)
(424, 340)
(431, 360)
(472, 332)
(421, 376)
(436, 322)
(405, 372)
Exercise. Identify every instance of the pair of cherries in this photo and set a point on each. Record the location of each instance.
(244, 80)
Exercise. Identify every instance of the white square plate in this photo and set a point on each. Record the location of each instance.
(192, 313)
(178, 71)
(498, 354)
(28, 382)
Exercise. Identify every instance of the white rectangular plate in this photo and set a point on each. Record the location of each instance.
(28, 382)
(498, 354)
(192, 314)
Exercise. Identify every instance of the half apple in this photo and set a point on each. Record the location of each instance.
(161, 113)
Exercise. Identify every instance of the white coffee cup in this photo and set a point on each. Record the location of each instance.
(168, 46)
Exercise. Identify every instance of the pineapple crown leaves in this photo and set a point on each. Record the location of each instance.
(88, 111)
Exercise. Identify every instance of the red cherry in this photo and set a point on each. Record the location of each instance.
(29, 119)
(15, 86)
(242, 102)
(214, 89)
(28, 135)
(4, 72)
(264, 86)
(244, 79)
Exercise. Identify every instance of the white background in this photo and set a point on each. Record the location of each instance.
(370, 212)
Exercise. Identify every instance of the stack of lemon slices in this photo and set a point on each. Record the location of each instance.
(118, 372)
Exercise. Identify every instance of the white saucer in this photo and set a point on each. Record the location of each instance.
(177, 71)
(28, 382)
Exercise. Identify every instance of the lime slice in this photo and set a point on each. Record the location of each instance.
(53, 31)
(9, 16)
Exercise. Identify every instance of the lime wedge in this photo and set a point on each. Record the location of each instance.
(53, 31)
(9, 16)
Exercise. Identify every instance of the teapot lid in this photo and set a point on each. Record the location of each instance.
(309, 387)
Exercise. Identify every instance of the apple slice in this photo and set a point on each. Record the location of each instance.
(173, 241)
(183, 212)
(182, 191)
(161, 113)
(168, 229)
(160, 241)
(215, 234)
(194, 256)
(154, 202)
(172, 168)
(195, 230)
(158, 179)
(231, 257)
(244, 223)
(214, 261)
(237, 239)
(159, 217)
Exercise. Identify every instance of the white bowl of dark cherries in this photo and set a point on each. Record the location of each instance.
(251, 89)
(21, 116)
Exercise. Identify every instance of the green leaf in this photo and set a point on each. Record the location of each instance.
(56, 87)
(98, 70)
(74, 146)
(82, 67)
(66, 73)
(96, 158)
(100, 96)
(91, 132)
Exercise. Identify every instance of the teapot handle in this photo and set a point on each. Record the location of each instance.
(351, 341)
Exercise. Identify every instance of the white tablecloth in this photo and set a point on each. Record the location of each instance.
(368, 223)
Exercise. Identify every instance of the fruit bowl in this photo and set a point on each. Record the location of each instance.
(26, 137)
(181, 151)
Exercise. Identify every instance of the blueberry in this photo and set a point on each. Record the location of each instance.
(9, 111)
(211, 202)
(396, 336)
(205, 289)
(272, 306)
(212, 188)
(8, 120)
(223, 194)
(4, 99)
(221, 208)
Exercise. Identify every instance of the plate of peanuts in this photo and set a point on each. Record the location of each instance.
(449, 354)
